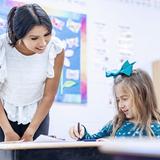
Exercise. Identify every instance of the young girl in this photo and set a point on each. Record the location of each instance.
(31, 61)
(138, 114)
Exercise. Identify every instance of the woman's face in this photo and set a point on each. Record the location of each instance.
(124, 101)
(37, 39)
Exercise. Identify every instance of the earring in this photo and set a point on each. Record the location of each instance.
(19, 41)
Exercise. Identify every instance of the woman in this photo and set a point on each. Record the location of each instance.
(31, 63)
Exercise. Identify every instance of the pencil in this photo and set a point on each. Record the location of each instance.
(79, 130)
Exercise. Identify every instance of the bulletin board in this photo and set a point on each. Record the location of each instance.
(70, 27)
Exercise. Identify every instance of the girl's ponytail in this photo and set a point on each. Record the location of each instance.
(10, 27)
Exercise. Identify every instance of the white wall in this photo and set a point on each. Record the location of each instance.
(103, 19)
(106, 22)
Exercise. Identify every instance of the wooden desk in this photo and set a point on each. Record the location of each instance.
(52, 151)
(128, 149)
(112, 149)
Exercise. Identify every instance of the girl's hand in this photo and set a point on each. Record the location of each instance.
(77, 132)
(11, 136)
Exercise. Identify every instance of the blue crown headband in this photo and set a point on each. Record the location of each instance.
(126, 69)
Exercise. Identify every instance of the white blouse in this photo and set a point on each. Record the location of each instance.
(22, 78)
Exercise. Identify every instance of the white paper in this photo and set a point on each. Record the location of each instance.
(45, 138)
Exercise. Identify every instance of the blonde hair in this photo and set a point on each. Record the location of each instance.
(140, 86)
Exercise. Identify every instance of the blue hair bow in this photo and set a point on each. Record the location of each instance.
(126, 69)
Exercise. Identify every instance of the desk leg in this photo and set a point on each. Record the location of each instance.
(6, 155)
(14, 155)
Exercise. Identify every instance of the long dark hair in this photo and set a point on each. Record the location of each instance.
(22, 19)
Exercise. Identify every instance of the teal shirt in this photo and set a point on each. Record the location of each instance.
(127, 129)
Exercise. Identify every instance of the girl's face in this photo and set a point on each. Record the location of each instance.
(124, 101)
(37, 39)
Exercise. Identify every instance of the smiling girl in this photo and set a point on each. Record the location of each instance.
(137, 112)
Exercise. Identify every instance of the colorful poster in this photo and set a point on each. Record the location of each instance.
(70, 27)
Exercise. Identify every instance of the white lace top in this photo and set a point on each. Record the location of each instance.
(22, 78)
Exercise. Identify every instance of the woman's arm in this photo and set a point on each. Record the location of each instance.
(45, 104)
(9, 133)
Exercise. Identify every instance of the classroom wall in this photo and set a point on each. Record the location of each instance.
(113, 27)
(116, 30)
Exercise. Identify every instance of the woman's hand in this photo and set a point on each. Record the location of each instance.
(11, 136)
(77, 132)
(28, 135)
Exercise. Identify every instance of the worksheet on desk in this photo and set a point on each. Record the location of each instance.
(45, 138)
